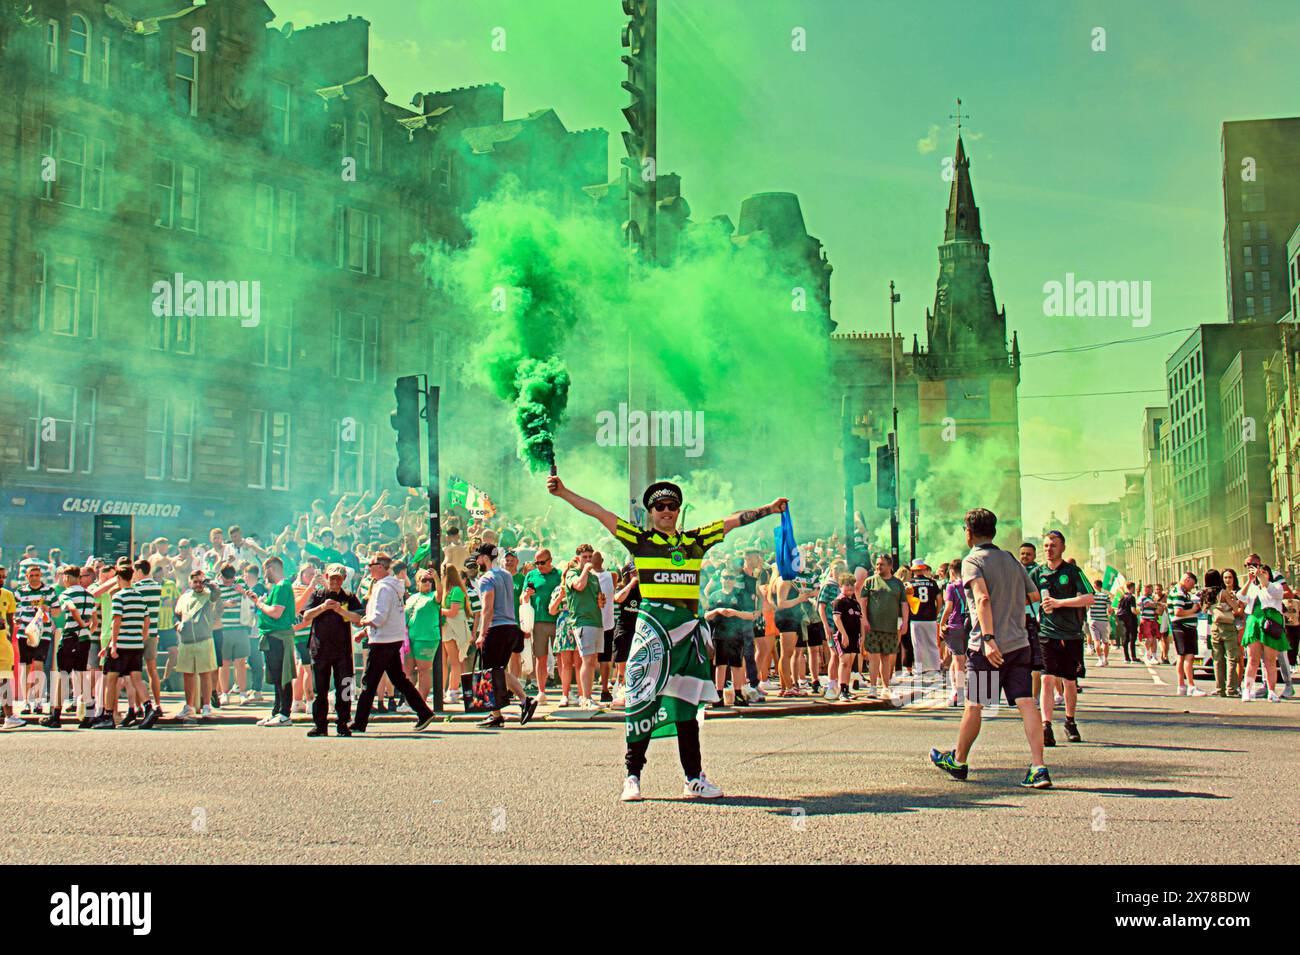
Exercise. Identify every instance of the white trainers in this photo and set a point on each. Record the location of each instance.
(13, 722)
(225, 699)
(699, 788)
(247, 700)
(278, 720)
(298, 707)
(831, 692)
(207, 709)
(1246, 694)
(750, 694)
(186, 710)
(631, 790)
(1182, 690)
(1274, 697)
(1060, 700)
(1193, 691)
(564, 701)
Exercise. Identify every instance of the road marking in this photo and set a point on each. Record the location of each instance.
(1155, 677)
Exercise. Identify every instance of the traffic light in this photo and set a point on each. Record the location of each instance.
(406, 422)
(857, 459)
(886, 492)
(639, 139)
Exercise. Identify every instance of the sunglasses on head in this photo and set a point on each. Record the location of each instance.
(664, 506)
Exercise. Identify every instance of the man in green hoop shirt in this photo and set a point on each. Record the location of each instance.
(669, 674)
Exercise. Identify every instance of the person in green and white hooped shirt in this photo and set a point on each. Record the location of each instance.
(669, 673)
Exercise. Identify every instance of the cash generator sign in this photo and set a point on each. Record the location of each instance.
(96, 505)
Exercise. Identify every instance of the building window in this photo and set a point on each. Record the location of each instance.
(1249, 279)
(78, 168)
(186, 82)
(356, 346)
(67, 294)
(274, 339)
(1252, 202)
(357, 239)
(1245, 230)
(363, 140)
(1248, 255)
(1265, 282)
(268, 450)
(169, 439)
(52, 45)
(282, 110)
(354, 458)
(1263, 231)
(1268, 304)
(79, 48)
(275, 219)
(1250, 305)
(175, 195)
(61, 436)
(173, 333)
(1263, 255)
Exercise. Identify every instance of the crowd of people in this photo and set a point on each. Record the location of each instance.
(232, 622)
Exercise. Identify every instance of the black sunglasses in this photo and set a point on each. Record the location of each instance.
(664, 506)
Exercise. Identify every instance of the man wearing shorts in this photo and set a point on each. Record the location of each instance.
(499, 632)
(78, 608)
(1184, 605)
(35, 597)
(1066, 596)
(151, 590)
(998, 653)
(236, 641)
(539, 584)
(1148, 623)
(846, 615)
(582, 600)
(884, 620)
(1099, 622)
(729, 616)
(125, 657)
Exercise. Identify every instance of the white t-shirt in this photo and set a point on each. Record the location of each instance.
(606, 581)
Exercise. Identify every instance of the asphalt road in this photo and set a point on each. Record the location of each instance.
(1159, 779)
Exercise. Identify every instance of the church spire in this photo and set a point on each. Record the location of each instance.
(963, 220)
(966, 329)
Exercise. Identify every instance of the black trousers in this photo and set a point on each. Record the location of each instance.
(1130, 638)
(340, 668)
(688, 750)
(906, 658)
(274, 653)
(385, 659)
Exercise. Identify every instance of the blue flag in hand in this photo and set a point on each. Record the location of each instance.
(789, 561)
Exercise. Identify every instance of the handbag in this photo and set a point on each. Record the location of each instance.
(33, 633)
(1274, 629)
(484, 690)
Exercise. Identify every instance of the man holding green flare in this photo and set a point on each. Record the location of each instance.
(669, 673)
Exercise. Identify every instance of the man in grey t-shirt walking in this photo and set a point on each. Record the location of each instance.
(998, 652)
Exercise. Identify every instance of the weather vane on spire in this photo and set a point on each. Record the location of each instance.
(957, 116)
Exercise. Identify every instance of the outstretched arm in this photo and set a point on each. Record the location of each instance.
(606, 517)
(741, 518)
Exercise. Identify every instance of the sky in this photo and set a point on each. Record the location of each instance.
(1101, 163)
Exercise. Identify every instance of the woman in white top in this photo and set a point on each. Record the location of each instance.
(1265, 632)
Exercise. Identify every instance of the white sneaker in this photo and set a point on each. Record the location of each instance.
(750, 694)
(620, 694)
(832, 692)
(564, 701)
(298, 707)
(1289, 691)
(448, 698)
(1246, 694)
(403, 707)
(700, 788)
(247, 699)
(1060, 700)
(186, 710)
(207, 709)
(1182, 690)
(1193, 691)
(280, 720)
(263, 721)
(225, 699)
(541, 698)
(631, 790)
(13, 722)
